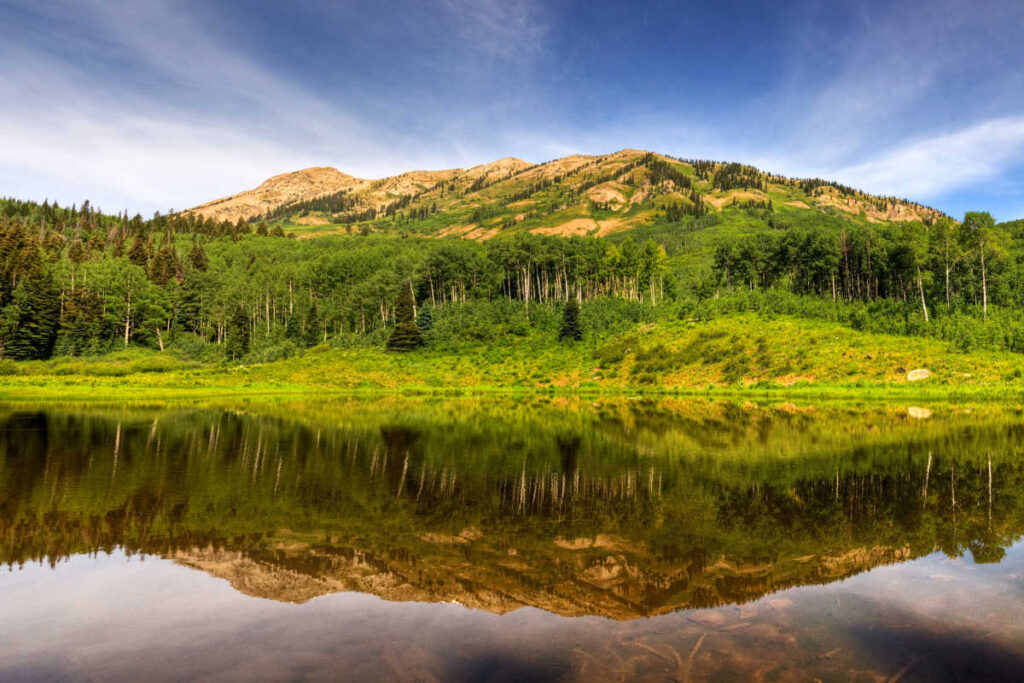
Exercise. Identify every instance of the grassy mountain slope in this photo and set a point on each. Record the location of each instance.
(574, 195)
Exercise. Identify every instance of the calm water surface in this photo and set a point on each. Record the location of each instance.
(530, 540)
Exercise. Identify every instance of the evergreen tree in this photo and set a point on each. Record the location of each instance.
(164, 266)
(30, 321)
(571, 329)
(237, 344)
(197, 257)
(293, 328)
(314, 326)
(406, 336)
(138, 254)
(82, 323)
(425, 318)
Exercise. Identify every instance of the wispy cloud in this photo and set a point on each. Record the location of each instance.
(513, 29)
(162, 103)
(146, 105)
(928, 167)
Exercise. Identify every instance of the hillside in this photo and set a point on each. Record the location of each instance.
(574, 195)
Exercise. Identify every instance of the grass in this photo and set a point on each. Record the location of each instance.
(739, 355)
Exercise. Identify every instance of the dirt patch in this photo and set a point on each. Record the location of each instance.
(575, 227)
(798, 204)
(638, 196)
(456, 230)
(482, 234)
(611, 225)
(733, 196)
(610, 192)
(312, 220)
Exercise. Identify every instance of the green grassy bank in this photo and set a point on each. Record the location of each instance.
(738, 355)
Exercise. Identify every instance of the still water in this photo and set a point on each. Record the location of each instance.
(493, 540)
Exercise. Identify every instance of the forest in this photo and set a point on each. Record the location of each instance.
(74, 281)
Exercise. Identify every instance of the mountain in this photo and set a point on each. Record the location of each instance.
(574, 195)
(277, 191)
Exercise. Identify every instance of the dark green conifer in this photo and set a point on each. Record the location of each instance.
(138, 254)
(406, 336)
(237, 344)
(197, 257)
(314, 326)
(29, 323)
(165, 266)
(425, 318)
(571, 328)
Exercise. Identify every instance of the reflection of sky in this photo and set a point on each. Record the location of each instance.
(120, 617)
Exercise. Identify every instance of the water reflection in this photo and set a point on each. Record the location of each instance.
(617, 509)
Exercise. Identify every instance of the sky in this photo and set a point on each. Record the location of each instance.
(146, 105)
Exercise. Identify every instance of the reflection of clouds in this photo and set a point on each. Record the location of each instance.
(109, 617)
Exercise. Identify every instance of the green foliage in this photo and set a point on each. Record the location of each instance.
(571, 330)
(425, 318)
(406, 336)
(238, 335)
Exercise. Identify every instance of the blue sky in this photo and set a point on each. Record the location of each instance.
(169, 103)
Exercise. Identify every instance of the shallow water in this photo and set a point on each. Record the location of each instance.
(491, 540)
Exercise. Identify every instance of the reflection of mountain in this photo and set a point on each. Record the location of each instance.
(618, 586)
(638, 511)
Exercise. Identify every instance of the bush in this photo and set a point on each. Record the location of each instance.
(269, 353)
(8, 367)
(188, 346)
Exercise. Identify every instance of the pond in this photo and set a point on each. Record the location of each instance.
(535, 539)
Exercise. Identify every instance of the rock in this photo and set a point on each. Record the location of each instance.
(919, 413)
(708, 618)
(918, 375)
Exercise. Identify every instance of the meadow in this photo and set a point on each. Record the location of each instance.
(742, 354)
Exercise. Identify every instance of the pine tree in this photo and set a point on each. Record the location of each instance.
(237, 344)
(406, 336)
(425, 319)
(197, 257)
(164, 266)
(138, 254)
(571, 329)
(293, 327)
(30, 322)
(314, 326)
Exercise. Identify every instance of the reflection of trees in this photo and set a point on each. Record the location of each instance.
(642, 522)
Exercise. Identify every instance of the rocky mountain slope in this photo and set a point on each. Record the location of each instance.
(574, 195)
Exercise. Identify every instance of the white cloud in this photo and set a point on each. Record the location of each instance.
(931, 166)
(146, 106)
(513, 29)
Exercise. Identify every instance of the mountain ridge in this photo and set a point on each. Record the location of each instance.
(572, 195)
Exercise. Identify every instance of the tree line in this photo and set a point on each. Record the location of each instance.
(69, 290)
(971, 264)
